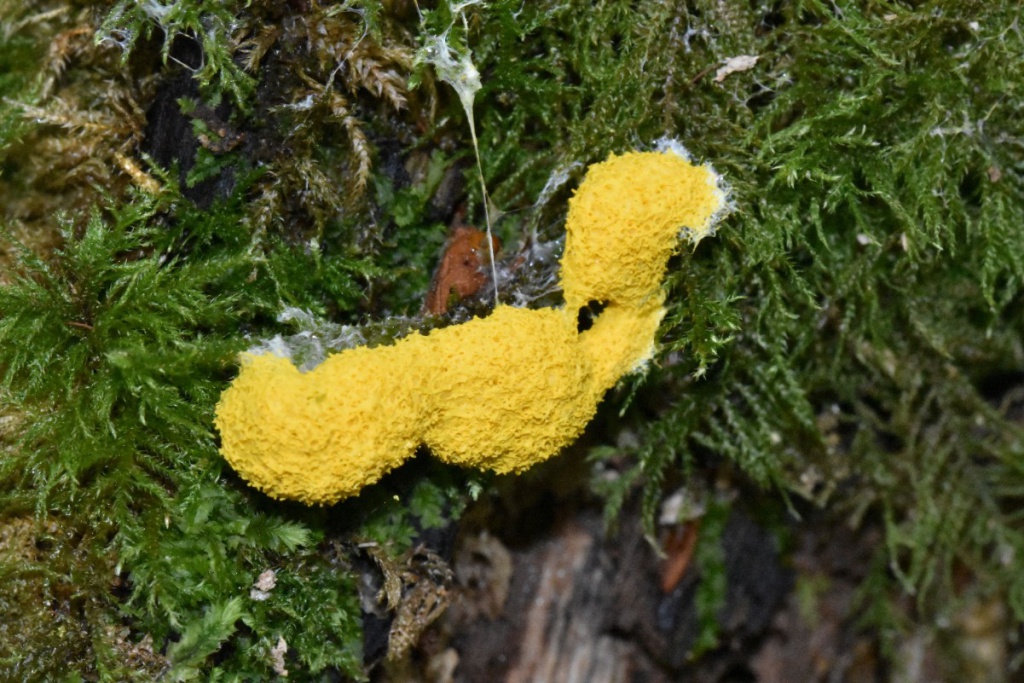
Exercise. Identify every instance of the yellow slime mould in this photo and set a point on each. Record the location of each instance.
(502, 392)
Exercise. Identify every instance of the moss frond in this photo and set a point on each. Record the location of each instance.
(211, 24)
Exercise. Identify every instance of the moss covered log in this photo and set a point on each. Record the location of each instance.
(181, 181)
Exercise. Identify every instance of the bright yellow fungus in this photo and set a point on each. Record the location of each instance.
(502, 392)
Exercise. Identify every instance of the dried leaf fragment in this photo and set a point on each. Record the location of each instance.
(265, 583)
(735, 64)
(277, 654)
(462, 270)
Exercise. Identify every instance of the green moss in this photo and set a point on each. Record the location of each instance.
(212, 24)
(19, 51)
(121, 353)
(851, 335)
(710, 598)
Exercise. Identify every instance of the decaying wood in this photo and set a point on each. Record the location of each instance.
(586, 608)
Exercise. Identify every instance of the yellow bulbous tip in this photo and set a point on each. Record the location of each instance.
(624, 223)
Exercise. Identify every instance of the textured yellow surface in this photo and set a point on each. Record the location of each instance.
(502, 392)
(624, 222)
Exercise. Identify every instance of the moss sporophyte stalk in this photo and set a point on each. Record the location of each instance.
(502, 392)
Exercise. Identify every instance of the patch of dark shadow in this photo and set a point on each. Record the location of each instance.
(616, 44)
(956, 38)
(995, 386)
(585, 318)
(1002, 387)
(760, 98)
(889, 442)
(169, 137)
(771, 18)
(971, 188)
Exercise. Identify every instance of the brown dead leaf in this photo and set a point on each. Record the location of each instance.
(461, 273)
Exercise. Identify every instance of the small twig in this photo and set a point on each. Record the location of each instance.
(702, 74)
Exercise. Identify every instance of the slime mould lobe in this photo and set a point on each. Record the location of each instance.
(502, 392)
